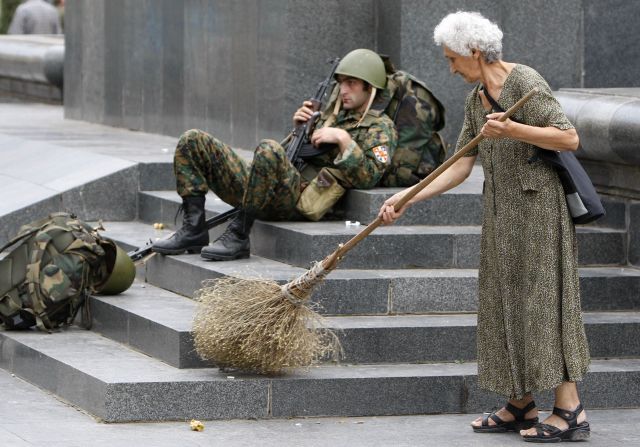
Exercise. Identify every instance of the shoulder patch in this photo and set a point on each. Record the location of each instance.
(381, 153)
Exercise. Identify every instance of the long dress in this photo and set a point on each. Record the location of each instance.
(530, 331)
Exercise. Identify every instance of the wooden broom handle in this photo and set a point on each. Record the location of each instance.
(330, 261)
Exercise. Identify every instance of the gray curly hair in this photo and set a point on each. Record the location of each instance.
(465, 31)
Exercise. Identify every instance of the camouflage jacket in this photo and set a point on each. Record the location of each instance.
(368, 156)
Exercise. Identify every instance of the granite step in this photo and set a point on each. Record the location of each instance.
(452, 337)
(151, 320)
(158, 323)
(410, 246)
(460, 206)
(388, 291)
(117, 384)
(381, 292)
(400, 247)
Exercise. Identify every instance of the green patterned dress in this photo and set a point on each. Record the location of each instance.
(530, 331)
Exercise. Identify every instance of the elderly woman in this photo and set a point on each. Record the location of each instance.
(530, 331)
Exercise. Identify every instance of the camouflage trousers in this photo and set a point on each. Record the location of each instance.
(269, 187)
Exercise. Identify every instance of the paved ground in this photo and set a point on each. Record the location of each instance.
(32, 417)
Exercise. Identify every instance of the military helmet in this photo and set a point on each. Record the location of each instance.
(364, 64)
(122, 274)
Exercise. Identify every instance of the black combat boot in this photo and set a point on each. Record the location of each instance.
(193, 235)
(234, 242)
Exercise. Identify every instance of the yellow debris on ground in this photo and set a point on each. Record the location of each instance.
(196, 425)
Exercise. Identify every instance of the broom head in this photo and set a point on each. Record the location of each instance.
(260, 326)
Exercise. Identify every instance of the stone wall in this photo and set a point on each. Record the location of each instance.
(239, 68)
(236, 68)
(608, 122)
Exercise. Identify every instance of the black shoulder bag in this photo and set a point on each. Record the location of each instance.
(582, 199)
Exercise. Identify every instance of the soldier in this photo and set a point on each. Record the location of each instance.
(357, 146)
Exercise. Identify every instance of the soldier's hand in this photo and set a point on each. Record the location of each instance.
(387, 211)
(303, 114)
(331, 135)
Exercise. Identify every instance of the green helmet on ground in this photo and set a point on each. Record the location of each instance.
(123, 272)
(366, 65)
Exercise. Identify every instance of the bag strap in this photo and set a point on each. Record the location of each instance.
(32, 281)
(493, 102)
(497, 107)
(42, 244)
(398, 96)
(19, 237)
(29, 230)
(31, 268)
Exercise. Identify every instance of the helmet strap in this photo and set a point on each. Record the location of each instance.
(336, 109)
(371, 98)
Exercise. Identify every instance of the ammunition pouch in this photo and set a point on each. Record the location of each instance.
(319, 197)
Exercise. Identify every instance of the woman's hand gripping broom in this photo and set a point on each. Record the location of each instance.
(260, 326)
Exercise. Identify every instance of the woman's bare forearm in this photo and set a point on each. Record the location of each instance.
(547, 137)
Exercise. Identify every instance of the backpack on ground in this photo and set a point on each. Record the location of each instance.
(45, 279)
(418, 116)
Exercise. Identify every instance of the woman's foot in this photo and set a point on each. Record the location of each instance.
(561, 425)
(567, 422)
(516, 415)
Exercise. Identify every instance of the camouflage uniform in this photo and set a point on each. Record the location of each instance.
(270, 186)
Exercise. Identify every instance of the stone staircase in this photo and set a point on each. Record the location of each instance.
(402, 303)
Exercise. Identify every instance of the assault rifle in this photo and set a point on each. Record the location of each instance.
(299, 137)
(301, 134)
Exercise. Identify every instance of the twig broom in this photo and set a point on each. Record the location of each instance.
(260, 326)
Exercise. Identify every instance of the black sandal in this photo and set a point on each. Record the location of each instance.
(575, 431)
(520, 423)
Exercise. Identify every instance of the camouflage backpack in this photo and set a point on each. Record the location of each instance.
(418, 116)
(45, 280)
